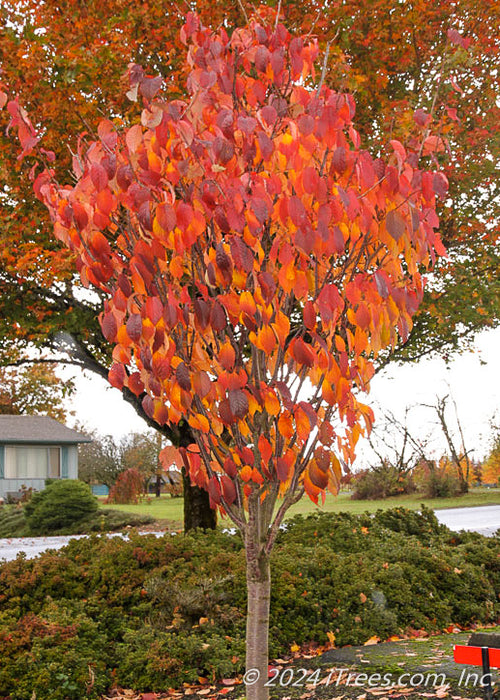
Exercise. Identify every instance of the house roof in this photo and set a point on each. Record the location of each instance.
(37, 430)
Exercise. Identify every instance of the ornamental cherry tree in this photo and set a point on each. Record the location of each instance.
(254, 259)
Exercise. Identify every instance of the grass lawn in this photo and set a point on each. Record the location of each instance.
(167, 508)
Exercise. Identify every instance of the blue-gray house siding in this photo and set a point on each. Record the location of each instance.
(33, 449)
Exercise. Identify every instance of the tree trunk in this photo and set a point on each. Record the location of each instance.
(257, 654)
(158, 486)
(197, 511)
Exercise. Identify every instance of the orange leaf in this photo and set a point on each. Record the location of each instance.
(271, 403)
(302, 424)
(266, 340)
(246, 473)
(227, 356)
(285, 425)
(265, 449)
(199, 422)
(318, 477)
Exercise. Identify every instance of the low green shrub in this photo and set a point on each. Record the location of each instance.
(382, 481)
(441, 484)
(151, 613)
(12, 521)
(61, 504)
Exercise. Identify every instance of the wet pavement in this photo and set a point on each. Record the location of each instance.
(33, 546)
(482, 519)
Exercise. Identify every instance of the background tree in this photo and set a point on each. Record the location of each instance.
(490, 472)
(34, 390)
(254, 259)
(388, 54)
(141, 451)
(99, 461)
(459, 455)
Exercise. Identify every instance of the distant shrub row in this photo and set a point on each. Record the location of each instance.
(153, 613)
(387, 480)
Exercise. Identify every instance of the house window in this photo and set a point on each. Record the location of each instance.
(26, 462)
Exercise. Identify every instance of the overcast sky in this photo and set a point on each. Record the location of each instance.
(473, 380)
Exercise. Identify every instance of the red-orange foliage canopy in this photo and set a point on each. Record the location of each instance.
(255, 258)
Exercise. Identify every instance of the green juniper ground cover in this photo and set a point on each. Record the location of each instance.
(152, 613)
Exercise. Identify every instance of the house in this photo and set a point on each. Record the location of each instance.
(170, 482)
(33, 449)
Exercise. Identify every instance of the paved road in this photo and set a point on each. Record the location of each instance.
(33, 546)
(483, 519)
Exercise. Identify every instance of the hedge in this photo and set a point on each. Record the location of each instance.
(152, 613)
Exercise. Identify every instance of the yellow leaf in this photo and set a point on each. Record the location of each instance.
(371, 641)
(294, 648)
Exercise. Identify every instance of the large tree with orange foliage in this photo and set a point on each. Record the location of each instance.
(253, 260)
(65, 63)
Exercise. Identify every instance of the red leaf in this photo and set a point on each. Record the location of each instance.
(421, 118)
(259, 208)
(283, 469)
(225, 413)
(107, 134)
(380, 281)
(395, 224)
(230, 468)
(99, 176)
(223, 150)
(124, 177)
(267, 285)
(117, 376)
(154, 309)
(309, 315)
(306, 124)
(134, 327)
(218, 317)
(303, 353)
(109, 327)
(214, 490)
(135, 384)
(247, 125)
(329, 302)
(242, 255)
(166, 216)
(183, 376)
(228, 489)
(286, 395)
(297, 211)
(148, 87)
(222, 259)
(339, 160)
(265, 144)
(238, 403)
(184, 215)
(440, 183)
(201, 384)
(201, 312)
